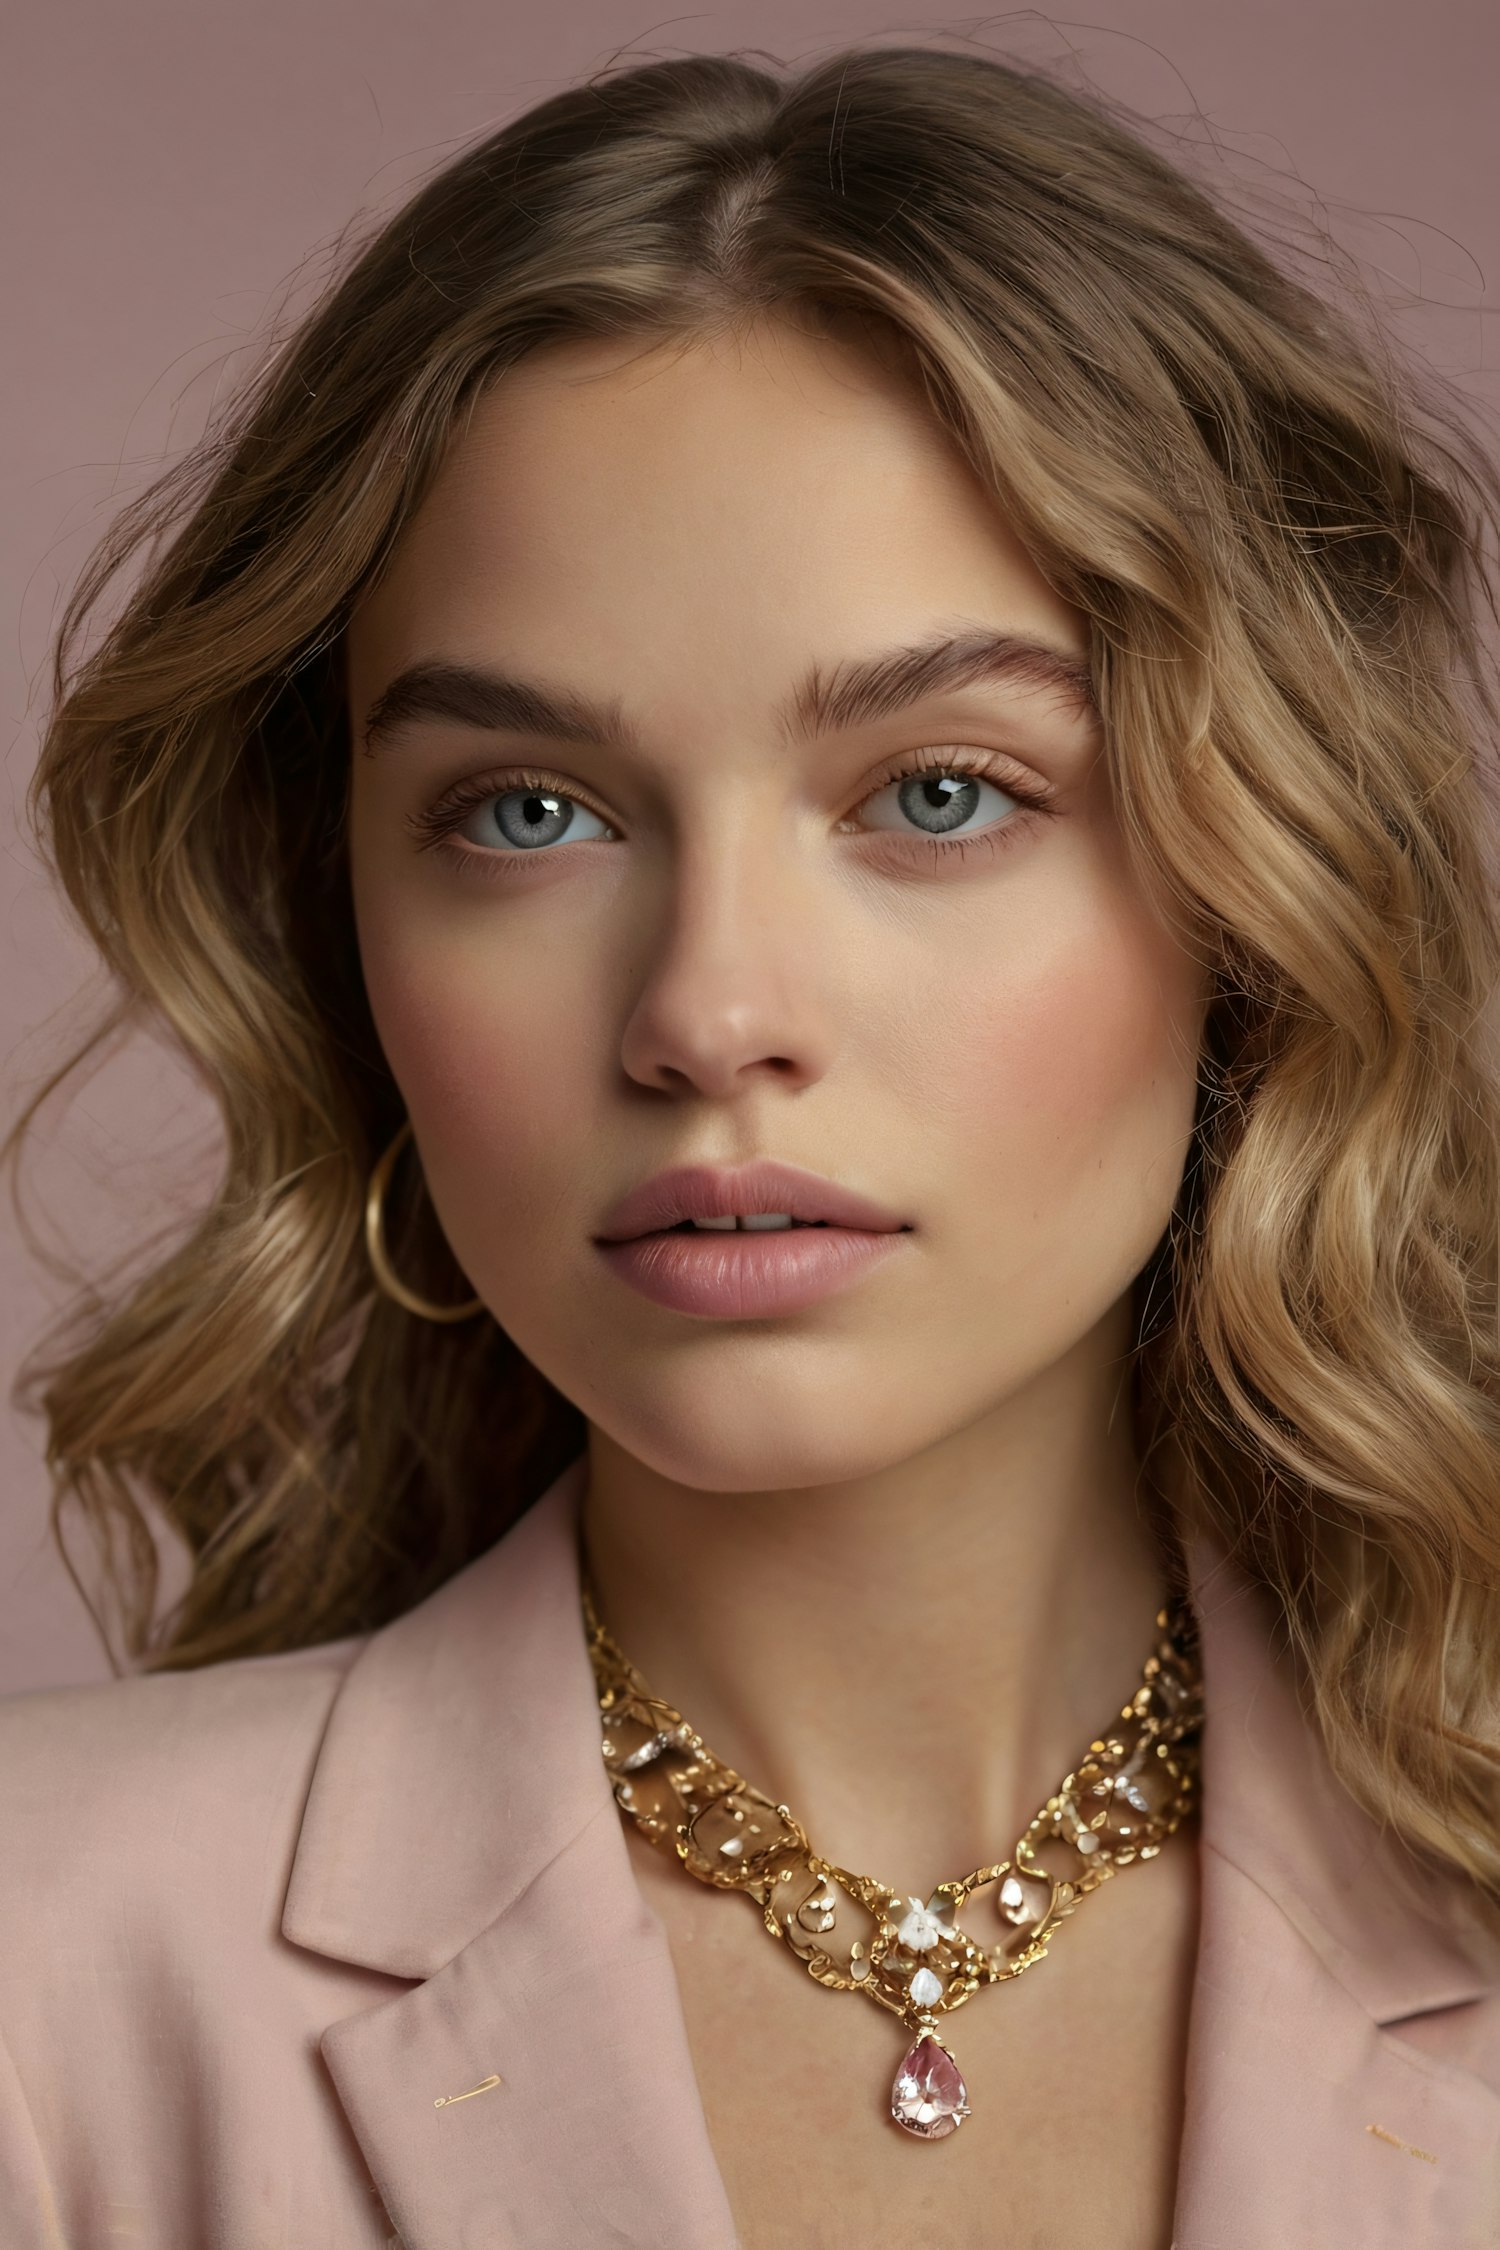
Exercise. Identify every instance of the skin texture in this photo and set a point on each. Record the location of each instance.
(885, 1552)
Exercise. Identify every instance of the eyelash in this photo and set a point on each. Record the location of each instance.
(433, 828)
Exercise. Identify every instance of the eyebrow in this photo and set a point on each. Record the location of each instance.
(854, 693)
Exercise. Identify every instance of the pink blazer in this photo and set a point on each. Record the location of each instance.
(261, 1923)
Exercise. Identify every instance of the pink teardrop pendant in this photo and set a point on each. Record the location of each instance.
(928, 2096)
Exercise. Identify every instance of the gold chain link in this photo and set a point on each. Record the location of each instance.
(1131, 1790)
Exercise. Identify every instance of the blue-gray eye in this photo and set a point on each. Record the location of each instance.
(936, 803)
(520, 820)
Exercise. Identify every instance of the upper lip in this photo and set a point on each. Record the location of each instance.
(711, 1191)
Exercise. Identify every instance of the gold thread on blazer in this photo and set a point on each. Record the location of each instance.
(446, 2101)
(1392, 2141)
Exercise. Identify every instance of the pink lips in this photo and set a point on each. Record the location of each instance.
(721, 1275)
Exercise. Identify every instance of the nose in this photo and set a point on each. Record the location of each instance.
(732, 995)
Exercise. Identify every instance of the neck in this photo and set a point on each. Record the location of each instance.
(912, 1659)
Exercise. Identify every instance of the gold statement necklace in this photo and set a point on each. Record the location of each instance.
(1130, 1791)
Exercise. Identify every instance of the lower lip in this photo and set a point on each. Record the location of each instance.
(746, 1275)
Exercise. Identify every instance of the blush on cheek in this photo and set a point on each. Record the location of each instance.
(438, 1055)
(499, 1072)
(1076, 1083)
(1089, 1052)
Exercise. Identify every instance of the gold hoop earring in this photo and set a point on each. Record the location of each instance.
(380, 1264)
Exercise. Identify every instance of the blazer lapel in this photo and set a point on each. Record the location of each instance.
(1310, 2118)
(535, 2090)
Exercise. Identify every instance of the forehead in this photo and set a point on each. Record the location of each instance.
(626, 511)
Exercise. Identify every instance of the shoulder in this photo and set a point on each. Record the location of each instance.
(126, 1782)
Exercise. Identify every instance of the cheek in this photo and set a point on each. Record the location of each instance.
(496, 1055)
(1071, 1084)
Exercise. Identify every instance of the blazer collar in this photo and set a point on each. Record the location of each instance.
(460, 1830)
(1394, 1936)
(1310, 2117)
(461, 1756)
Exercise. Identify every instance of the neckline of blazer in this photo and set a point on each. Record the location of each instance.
(460, 1831)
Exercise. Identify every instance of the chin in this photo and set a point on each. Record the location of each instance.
(761, 1437)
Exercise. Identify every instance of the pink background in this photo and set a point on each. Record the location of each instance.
(172, 165)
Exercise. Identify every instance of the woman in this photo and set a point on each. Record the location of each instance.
(806, 777)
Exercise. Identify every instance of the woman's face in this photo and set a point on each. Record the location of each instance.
(735, 797)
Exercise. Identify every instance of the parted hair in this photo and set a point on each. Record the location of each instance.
(1282, 545)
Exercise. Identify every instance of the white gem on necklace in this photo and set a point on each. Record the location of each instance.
(925, 1926)
(1013, 1900)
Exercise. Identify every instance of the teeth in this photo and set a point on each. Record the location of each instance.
(757, 1222)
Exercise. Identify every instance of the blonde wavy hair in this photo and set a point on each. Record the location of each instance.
(1283, 558)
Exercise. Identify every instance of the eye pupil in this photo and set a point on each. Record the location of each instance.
(936, 802)
(528, 817)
